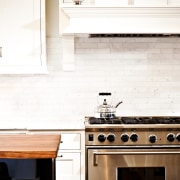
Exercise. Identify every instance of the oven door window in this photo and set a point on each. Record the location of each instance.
(139, 173)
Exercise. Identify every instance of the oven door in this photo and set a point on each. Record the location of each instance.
(133, 164)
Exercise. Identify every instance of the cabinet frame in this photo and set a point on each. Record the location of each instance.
(41, 68)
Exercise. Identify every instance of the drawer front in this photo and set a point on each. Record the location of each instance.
(70, 141)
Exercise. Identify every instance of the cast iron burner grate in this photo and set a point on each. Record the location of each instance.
(135, 120)
(167, 120)
(150, 120)
(94, 120)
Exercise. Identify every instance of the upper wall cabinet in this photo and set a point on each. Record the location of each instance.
(22, 37)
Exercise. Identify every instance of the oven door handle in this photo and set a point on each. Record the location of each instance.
(96, 154)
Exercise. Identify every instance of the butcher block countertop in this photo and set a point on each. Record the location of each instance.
(29, 145)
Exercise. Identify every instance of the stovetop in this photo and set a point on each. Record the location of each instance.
(133, 130)
(135, 120)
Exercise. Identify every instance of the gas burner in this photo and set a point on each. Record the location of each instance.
(93, 120)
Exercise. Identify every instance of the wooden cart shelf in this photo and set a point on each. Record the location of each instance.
(25, 146)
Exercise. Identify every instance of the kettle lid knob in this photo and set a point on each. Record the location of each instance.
(104, 102)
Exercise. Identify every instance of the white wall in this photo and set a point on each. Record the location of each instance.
(143, 72)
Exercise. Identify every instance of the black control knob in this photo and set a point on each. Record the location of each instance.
(111, 137)
(171, 137)
(101, 137)
(178, 136)
(134, 137)
(124, 137)
(152, 138)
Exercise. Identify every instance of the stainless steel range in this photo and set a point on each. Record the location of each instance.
(132, 148)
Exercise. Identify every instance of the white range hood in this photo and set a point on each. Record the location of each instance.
(100, 20)
(91, 19)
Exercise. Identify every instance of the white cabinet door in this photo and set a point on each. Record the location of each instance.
(22, 34)
(68, 166)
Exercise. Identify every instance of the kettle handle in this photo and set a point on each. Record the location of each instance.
(104, 94)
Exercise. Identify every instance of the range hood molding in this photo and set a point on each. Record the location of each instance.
(90, 19)
(102, 20)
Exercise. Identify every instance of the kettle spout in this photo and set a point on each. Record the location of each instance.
(118, 104)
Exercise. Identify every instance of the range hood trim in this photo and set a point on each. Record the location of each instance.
(102, 20)
(85, 20)
(75, 11)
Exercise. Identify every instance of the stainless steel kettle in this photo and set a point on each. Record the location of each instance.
(106, 110)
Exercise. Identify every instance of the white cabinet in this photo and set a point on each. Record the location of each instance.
(68, 166)
(70, 163)
(22, 37)
(70, 141)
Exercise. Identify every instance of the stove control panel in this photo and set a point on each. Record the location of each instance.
(133, 137)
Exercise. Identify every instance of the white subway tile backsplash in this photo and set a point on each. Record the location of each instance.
(143, 72)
